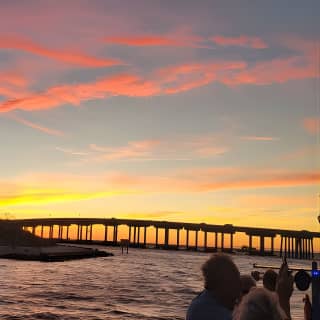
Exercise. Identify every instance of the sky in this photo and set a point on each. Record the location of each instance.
(196, 111)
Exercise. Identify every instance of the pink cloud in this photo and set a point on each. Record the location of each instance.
(241, 41)
(60, 55)
(312, 125)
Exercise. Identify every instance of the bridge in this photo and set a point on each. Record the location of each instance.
(294, 244)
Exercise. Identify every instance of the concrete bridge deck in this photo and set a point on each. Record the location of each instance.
(293, 243)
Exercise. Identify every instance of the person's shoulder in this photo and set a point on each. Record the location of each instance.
(204, 307)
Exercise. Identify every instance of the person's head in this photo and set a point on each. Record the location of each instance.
(247, 282)
(222, 278)
(270, 279)
(259, 304)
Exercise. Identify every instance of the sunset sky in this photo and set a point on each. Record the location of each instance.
(202, 111)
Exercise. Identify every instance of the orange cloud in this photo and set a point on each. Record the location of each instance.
(127, 85)
(144, 41)
(64, 56)
(167, 80)
(260, 201)
(68, 187)
(241, 41)
(36, 126)
(173, 40)
(312, 125)
(12, 84)
(274, 71)
(175, 79)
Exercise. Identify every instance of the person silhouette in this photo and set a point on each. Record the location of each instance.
(221, 290)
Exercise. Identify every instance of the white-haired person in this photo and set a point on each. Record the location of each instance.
(262, 304)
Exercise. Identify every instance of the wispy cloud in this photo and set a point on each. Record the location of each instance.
(16, 43)
(71, 152)
(35, 126)
(241, 41)
(259, 138)
(173, 148)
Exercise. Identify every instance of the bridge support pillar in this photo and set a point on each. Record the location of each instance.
(51, 232)
(231, 242)
(60, 232)
(41, 231)
(250, 242)
(187, 239)
(262, 245)
(134, 235)
(216, 240)
(105, 233)
(138, 240)
(222, 241)
(129, 236)
(178, 238)
(115, 234)
(272, 245)
(145, 236)
(196, 246)
(166, 238)
(157, 237)
(285, 246)
(205, 240)
(91, 227)
(86, 232)
(67, 235)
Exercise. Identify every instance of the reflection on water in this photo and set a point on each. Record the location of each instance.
(145, 284)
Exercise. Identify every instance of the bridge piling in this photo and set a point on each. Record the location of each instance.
(187, 239)
(157, 237)
(205, 240)
(178, 238)
(145, 236)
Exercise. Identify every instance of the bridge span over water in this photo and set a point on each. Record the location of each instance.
(293, 243)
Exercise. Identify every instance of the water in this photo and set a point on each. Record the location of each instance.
(145, 284)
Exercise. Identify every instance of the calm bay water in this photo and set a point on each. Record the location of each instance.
(145, 284)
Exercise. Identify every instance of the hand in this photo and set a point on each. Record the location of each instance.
(307, 308)
(284, 288)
